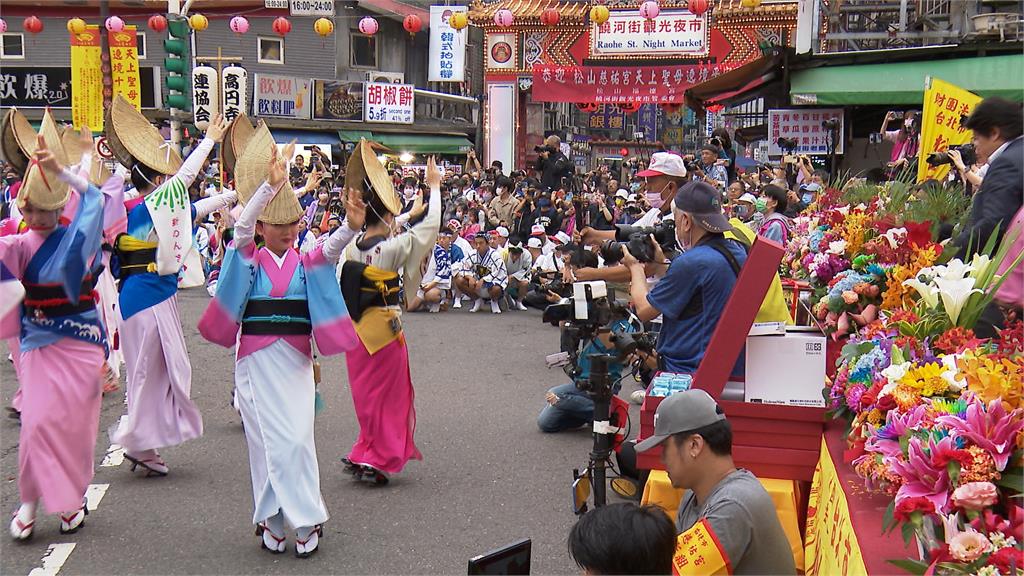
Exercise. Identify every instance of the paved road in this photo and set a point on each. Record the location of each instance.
(488, 476)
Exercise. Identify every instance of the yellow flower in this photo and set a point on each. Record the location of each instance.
(906, 397)
(875, 417)
(991, 378)
(927, 379)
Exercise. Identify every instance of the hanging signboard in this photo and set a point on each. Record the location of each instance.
(673, 34)
(501, 51)
(335, 100)
(311, 7)
(233, 87)
(805, 126)
(944, 106)
(447, 46)
(281, 96)
(617, 84)
(607, 117)
(51, 86)
(393, 103)
(124, 65)
(647, 122)
(205, 95)
(86, 80)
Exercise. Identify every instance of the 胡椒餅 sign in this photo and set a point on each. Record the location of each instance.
(673, 34)
(805, 127)
(282, 96)
(619, 84)
(447, 46)
(394, 103)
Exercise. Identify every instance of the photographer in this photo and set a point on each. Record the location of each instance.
(552, 164)
(970, 177)
(726, 154)
(472, 163)
(706, 168)
(905, 140)
(693, 293)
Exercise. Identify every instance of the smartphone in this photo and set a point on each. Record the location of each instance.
(875, 138)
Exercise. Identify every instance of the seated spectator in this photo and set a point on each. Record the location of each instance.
(736, 510)
(775, 225)
(483, 275)
(623, 539)
(518, 266)
(437, 278)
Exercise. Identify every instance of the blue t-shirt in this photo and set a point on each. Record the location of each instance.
(691, 297)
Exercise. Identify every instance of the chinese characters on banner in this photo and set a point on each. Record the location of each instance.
(805, 126)
(831, 545)
(647, 122)
(675, 33)
(944, 105)
(205, 95)
(619, 84)
(86, 80)
(393, 103)
(233, 86)
(282, 96)
(608, 117)
(447, 46)
(699, 552)
(124, 65)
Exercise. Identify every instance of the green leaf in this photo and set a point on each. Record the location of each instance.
(889, 517)
(1011, 481)
(907, 530)
(911, 566)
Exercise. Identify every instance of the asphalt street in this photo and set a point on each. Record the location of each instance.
(488, 477)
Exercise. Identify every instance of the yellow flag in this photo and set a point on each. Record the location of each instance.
(124, 65)
(699, 552)
(944, 105)
(86, 79)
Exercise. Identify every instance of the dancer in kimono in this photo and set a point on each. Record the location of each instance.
(378, 367)
(149, 257)
(278, 299)
(61, 338)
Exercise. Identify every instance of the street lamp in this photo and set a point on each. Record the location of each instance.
(405, 158)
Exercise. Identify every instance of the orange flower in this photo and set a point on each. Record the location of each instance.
(994, 377)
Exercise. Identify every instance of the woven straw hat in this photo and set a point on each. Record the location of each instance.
(365, 170)
(42, 187)
(239, 132)
(98, 172)
(17, 140)
(252, 170)
(132, 137)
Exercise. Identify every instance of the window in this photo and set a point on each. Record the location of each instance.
(12, 46)
(364, 51)
(140, 44)
(270, 50)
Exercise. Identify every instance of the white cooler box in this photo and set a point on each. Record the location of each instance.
(787, 369)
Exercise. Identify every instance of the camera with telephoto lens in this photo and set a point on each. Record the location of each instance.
(716, 141)
(967, 154)
(638, 240)
(787, 144)
(545, 148)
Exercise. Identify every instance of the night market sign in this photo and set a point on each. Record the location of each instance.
(619, 84)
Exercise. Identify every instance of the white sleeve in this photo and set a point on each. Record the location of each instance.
(245, 226)
(337, 241)
(191, 166)
(206, 206)
(74, 179)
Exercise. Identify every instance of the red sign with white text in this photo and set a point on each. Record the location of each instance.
(619, 84)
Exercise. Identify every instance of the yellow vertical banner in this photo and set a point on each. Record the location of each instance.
(86, 79)
(830, 545)
(124, 65)
(944, 105)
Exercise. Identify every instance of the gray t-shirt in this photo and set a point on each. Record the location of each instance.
(743, 518)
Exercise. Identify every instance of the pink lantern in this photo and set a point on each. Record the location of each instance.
(504, 17)
(239, 25)
(3, 25)
(114, 24)
(650, 9)
(368, 26)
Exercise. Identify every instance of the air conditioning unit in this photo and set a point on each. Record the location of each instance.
(386, 77)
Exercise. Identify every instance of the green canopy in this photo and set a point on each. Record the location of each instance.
(903, 82)
(354, 135)
(424, 143)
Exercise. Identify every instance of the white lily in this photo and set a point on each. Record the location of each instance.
(929, 293)
(954, 293)
(838, 247)
(951, 373)
(894, 373)
(954, 270)
(893, 236)
(980, 264)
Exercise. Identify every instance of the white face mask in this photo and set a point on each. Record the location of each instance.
(684, 245)
(409, 193)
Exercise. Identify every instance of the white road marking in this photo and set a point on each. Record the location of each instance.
(54, 559)
(94, 494)
(114, 457)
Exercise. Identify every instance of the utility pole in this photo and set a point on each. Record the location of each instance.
(108, 82)
(174, 9)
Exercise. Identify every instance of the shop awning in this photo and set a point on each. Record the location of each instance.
(735, 82)
(284, 135)
(354, 135)
(424, 143)
(903, 82)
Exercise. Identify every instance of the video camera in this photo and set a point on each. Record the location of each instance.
(637, 239)
(967, 153)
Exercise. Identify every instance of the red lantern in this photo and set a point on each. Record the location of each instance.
(715, 108)
(157, 23)
(624, 152)
(550, 16)
(698, 7)
(281, 26)
(629, 107)
(412, 24)
(588, 107)
(33, 25)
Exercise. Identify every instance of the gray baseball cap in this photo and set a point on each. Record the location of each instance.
(682, 412)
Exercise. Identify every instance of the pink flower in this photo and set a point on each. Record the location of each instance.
(969, 546)
(975, 495)
(920, 476)
(992, 428)
(850, 297)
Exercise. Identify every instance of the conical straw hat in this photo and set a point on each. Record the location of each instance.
(98, 172)
(17, 140)
(364, 169)
(239, 132)
(43, 188)
(252, 170)
(132, 137)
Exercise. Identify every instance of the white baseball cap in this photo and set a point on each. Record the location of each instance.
(622, 193)
(747, 197)
(561, 238)
(537, 230)
(502, 231)
(534, 243)
(664, 164)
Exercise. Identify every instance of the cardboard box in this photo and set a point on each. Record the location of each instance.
(787, 370)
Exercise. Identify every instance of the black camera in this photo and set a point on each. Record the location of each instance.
(830, 124)
(638, 240)
(967, 154)
(716, 141)
(787, 144)
(545, 148)
(627, 343)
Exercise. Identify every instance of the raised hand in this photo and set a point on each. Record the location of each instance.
(433, 178)
(278, 169)
(218, 126)
(45, 157)
(85, 139)
(355, 209)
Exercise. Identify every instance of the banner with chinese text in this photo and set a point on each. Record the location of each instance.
(50, 86)
(234, 80)
(806, 128)
(447, 46)
(124, 65)
(674, 34)
(282, 96)
(607, 117)
(619, 84)
(86, 80)
(831, 545)
(944, 105)
(386, 102)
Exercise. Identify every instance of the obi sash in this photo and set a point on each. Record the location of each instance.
(370, 293)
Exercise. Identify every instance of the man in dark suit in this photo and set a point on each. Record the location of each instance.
(997, 125)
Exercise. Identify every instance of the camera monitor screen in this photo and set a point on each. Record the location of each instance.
(511, 559)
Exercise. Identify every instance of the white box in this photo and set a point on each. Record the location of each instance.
(787, 370)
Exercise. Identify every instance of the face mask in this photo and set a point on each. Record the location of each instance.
(409, 192)
(741, 211)
(655, 199)
(684, 245)
(760, 205)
